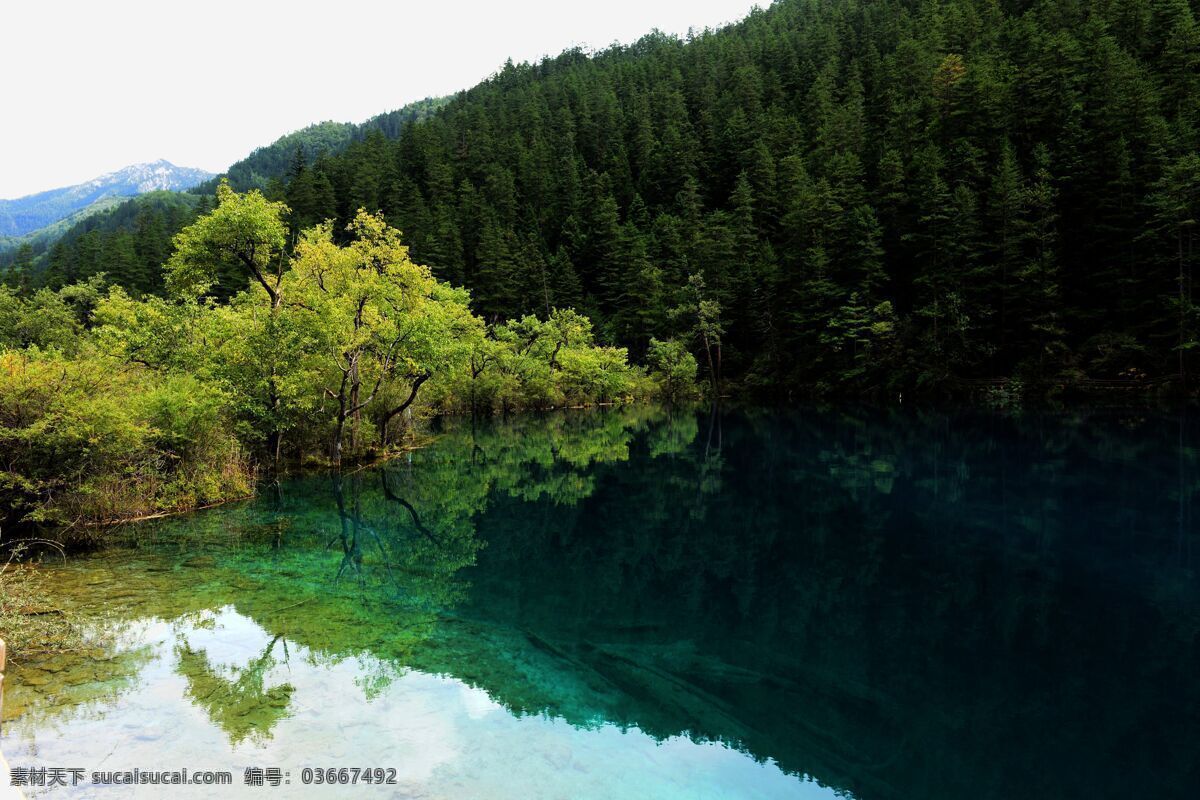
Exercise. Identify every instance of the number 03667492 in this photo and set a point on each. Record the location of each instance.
(347, 775)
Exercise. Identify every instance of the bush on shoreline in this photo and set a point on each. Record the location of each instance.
(88, 439)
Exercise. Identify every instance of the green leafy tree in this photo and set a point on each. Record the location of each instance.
(674, 368)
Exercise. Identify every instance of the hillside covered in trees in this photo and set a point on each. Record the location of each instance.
(829, 196)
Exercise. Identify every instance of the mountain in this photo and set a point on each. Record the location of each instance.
(870, 198)
(33, 212)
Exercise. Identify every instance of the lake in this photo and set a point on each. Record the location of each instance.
(641, 603)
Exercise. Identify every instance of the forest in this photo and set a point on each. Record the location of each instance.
(870, 197)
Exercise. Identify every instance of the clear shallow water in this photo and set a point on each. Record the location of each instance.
(631, 604)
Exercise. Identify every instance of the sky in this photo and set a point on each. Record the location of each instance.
(90, 87)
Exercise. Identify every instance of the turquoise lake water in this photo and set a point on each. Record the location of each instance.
(635, 603)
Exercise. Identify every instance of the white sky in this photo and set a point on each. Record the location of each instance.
(88, 87)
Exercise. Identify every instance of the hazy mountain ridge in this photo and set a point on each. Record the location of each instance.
(25, 215)
(38, 239)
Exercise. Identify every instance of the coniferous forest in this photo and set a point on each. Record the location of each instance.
(869, 197)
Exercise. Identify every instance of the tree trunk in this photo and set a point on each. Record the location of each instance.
(718, 368)
(412, 395)
(712, 369)
(1182, 315)
(336, 453)
(335, 450)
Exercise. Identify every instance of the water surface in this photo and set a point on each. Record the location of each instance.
(635, 603)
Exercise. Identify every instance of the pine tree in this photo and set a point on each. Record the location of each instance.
(1176, 204)
(1039, 278)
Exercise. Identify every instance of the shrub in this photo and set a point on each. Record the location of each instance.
(673, 370)
(91, 439)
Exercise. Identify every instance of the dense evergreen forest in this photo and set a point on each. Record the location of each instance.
(129, 243)
(856, 196)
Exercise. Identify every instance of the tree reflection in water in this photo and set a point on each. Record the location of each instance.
(239, 702)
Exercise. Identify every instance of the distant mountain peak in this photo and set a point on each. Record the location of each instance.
(151, 176)
(29, 213)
